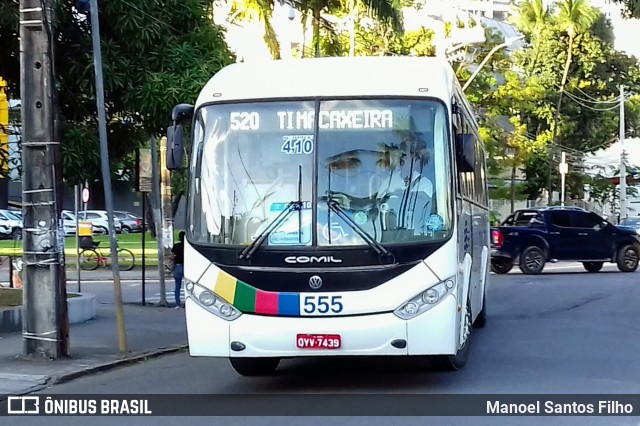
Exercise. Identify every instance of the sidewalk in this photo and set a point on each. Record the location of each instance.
(150, 331)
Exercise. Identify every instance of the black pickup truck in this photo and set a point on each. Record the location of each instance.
(531, 237)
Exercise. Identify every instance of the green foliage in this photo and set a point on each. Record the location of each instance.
(503, 191)
(326, 41)
(601, 186)
(590, 75)
(380, 40)
(10, 46)
(155, 54)
(258, 11)
(632, 7)
(494, 218)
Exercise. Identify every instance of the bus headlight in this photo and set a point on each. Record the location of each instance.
(207, 298)
(212, 303)
(425, 300)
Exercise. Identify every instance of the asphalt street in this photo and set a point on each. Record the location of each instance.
(566, 331)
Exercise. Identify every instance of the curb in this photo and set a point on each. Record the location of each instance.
(133, 359)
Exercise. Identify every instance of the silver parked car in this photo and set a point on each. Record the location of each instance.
(130, 222)
(98, 219)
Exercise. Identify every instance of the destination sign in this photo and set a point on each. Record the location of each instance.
(284, 120)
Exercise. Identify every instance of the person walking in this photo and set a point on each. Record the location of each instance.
(177, 253)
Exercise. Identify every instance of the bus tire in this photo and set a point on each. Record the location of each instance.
(459, 360)
(254, 366)
(532, 260)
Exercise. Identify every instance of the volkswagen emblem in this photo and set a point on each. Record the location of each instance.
(315, 282)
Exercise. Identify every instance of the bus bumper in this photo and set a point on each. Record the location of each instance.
(432, 333)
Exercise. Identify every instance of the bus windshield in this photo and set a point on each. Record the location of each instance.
(382, 163)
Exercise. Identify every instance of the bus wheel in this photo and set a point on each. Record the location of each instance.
(459, 360)
(532, 260)
(254, 366)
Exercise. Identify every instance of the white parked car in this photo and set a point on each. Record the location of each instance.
(98, 219)
(68, 222)
(10, 224)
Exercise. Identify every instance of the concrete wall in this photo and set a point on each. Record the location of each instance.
(80, 309)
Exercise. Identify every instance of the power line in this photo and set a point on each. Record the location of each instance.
(579, 102)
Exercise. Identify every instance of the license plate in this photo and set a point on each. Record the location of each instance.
(318, 341)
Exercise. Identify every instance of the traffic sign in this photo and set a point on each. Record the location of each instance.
(85, 195)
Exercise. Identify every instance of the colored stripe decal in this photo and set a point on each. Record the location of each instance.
(266, 303)
(226, 287)
(249, 299)
(289, 304)
(245, 299)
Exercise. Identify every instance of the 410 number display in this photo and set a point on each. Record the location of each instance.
(297, 145)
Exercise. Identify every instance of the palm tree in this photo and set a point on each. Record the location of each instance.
(533, 16)
(575, 17)
(258, 10)
(384, 10)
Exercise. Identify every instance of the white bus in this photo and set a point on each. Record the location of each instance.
(336, 207)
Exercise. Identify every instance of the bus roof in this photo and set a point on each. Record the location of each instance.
(332, 77)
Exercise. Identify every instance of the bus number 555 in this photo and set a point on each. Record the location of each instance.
(322, 304)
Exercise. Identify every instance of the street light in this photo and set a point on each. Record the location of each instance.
(508, 42)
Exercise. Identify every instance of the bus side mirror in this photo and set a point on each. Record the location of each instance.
(175, 147)
(466, 152)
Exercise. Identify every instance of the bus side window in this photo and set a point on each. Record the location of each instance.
(480, 183)
(469, 177)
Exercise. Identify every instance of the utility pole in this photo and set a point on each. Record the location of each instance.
(4, 145)
(564, 169)
(106, 171)
(623, 166)
(44, 300)
(157, 216)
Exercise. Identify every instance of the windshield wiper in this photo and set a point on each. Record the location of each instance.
(382, 252)
(284, 214)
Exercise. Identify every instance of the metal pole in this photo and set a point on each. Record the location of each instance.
(106, 172)
(11, 271)
(563, 172)
(157, 218)
(623, 166)
(76, 199)
(144, 265)
(42, 322)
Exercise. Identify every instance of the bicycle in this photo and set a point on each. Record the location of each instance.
(92, 258)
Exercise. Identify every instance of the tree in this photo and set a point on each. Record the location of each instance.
(385, 11)
(261, 11)
(375, 39)
(575, 17)
(532, 17)
(156, 53)
(632, 7)
(10, 45)
(511, 103)
(588, 121)
(603, 188)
